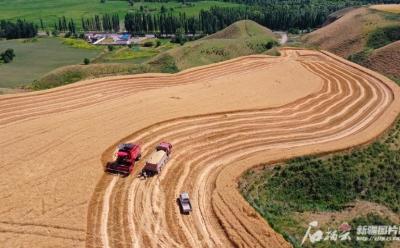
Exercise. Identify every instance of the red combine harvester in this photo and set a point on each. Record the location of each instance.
(157, 160)
(127, 155)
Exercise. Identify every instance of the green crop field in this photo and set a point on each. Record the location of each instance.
(37, 57)
(51, 10)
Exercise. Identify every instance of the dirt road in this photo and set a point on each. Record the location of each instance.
(222, 120)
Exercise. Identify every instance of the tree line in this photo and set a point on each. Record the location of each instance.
(106, 22)
(18, 29)
(274, 14)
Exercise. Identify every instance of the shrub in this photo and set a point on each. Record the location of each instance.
(55, 33)
(294, 31)
(8, 55)
(383, 36)
(360, 57)
(148, 44)
(86, 61)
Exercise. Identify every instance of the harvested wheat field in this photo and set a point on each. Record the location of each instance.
(394, 8)
(222, 119)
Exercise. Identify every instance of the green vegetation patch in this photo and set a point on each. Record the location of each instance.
(361, 57)
(368, 220)
(34, 59)
(79, 43)
(74, 73)
(164, 63)
(397, 80)
(381, 37)
(312, 184)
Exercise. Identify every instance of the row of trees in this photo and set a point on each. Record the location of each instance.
(209, 21)
(63, 25)
(140, 23)
(278, 2)
(283, 15)
(105, 23)
(18, 29)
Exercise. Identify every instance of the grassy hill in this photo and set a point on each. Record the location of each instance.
(239, 39)
(357, 35)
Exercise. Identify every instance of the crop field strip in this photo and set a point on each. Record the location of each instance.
(18, 108)
(349, 102)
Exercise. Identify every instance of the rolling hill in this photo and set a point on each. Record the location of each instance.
(349, 34)
(239, 39)
(363, 35)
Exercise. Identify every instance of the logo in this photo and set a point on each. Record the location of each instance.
(343, 233)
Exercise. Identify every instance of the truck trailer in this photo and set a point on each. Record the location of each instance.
(157, 159)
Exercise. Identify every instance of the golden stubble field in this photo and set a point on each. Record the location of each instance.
(222, 120)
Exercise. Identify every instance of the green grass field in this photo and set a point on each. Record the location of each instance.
(36, 58)
(50, 10)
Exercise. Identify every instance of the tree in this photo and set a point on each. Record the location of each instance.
(41, 24)
(180, 36)
(55, 33)
(163, 9)
(86, 61)
(19, 29)
(8, 55)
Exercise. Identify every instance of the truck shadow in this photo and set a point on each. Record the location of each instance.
(180, 207)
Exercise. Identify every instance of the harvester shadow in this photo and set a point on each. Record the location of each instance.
(111, 172)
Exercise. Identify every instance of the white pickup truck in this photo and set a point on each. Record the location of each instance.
(184, 202)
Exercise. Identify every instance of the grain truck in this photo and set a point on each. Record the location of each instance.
(157, 159)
